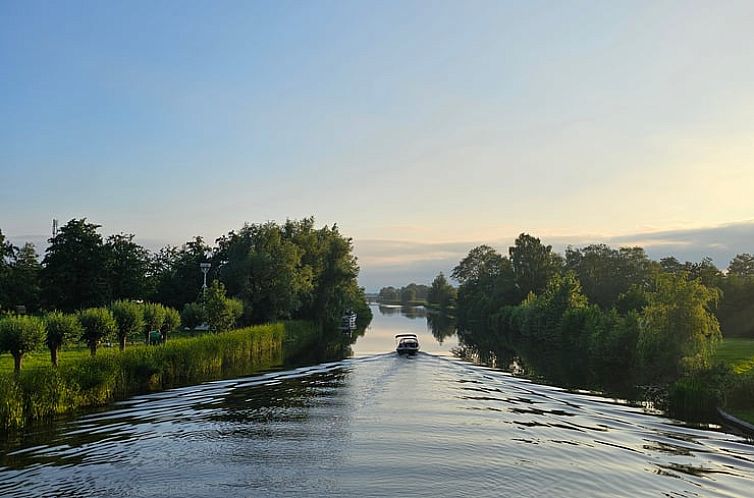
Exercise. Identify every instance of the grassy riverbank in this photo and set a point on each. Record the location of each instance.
(738, 354)
(43, 391)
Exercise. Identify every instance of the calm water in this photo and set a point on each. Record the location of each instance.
(376, 425)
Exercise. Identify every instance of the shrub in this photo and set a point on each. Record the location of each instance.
(154, 317)
(171, 322)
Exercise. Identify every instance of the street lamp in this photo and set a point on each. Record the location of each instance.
(205, 269)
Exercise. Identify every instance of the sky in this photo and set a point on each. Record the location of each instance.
(421, 128)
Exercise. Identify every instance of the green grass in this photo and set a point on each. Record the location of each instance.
(745, 414)
(43, 391)
(738, 353)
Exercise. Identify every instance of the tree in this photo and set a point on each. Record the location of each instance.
(178, 278)
(128, 266)
(98, 324)
(74, 273)
(606, 274)
(678, 331)
(61, 328)
(486, 282)
(441, 293)
(533, 264)
(388, 295)
(154, 317)
(172, 322)
(408, 295)
(222, 312)
(263, 268)
(7, 253)
(129, 317)
(20, 335)
(742, 265)
(193, 315)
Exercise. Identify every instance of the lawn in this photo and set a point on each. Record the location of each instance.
(738, 353)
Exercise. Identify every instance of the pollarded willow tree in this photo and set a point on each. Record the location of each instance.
(129, 317)
(60, 329)
(98, 324)
(20, 335)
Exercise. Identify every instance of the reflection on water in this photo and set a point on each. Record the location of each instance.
(375, 425)
(378, 425)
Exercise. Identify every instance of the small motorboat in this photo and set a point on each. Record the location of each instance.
(406, 344)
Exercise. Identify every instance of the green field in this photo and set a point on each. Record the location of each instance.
(738, 353)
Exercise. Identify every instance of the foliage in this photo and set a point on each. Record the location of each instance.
(20, 335)
(193, 315)
(678, 330)
(222, 313)
(154, 317)
(441, 294)
(61, 328)
(46, 391)
(177, 276)
(98, 324)
(742, 265)
(127, 266)
(533, 264)
(74, 273)
(171, 323)
(129, 317)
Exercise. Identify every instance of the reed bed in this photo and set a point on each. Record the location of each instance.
(47, 391)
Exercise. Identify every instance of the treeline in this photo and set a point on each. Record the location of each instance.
(602, 317)
(277, 271)
(408, 295)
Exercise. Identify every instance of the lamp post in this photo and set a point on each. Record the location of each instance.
(205, 269)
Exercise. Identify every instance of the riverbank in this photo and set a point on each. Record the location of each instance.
(44, 391)
(738, 355)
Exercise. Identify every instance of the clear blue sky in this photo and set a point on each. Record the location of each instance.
(413, 125)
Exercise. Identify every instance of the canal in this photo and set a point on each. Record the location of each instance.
(376, 424)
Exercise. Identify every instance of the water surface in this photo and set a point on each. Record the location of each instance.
(376, 425)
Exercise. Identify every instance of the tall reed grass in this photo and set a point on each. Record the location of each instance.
(48, 391)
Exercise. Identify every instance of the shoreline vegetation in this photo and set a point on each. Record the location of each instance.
(260, 294)
(614, 321)
(43, 391)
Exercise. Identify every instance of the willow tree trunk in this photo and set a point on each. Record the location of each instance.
(93, 348)
(123, 343)
(54, 356)
(17, 362)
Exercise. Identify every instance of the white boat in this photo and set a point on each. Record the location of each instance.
(406, 344)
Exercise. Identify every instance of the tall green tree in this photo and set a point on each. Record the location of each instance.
(154, 318)
(20, 335)
(678, 329)
(74, 273)
(441, 293)
(487, 282)
(128, 267)
(61, 328)
(222, 312)
(742, 265)
(533, 264)
(178, 277)
(22, 279)
(7, 253)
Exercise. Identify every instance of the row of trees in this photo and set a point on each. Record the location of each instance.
(121, 322)
(597, 315)
(407, 295)
(293, 270)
